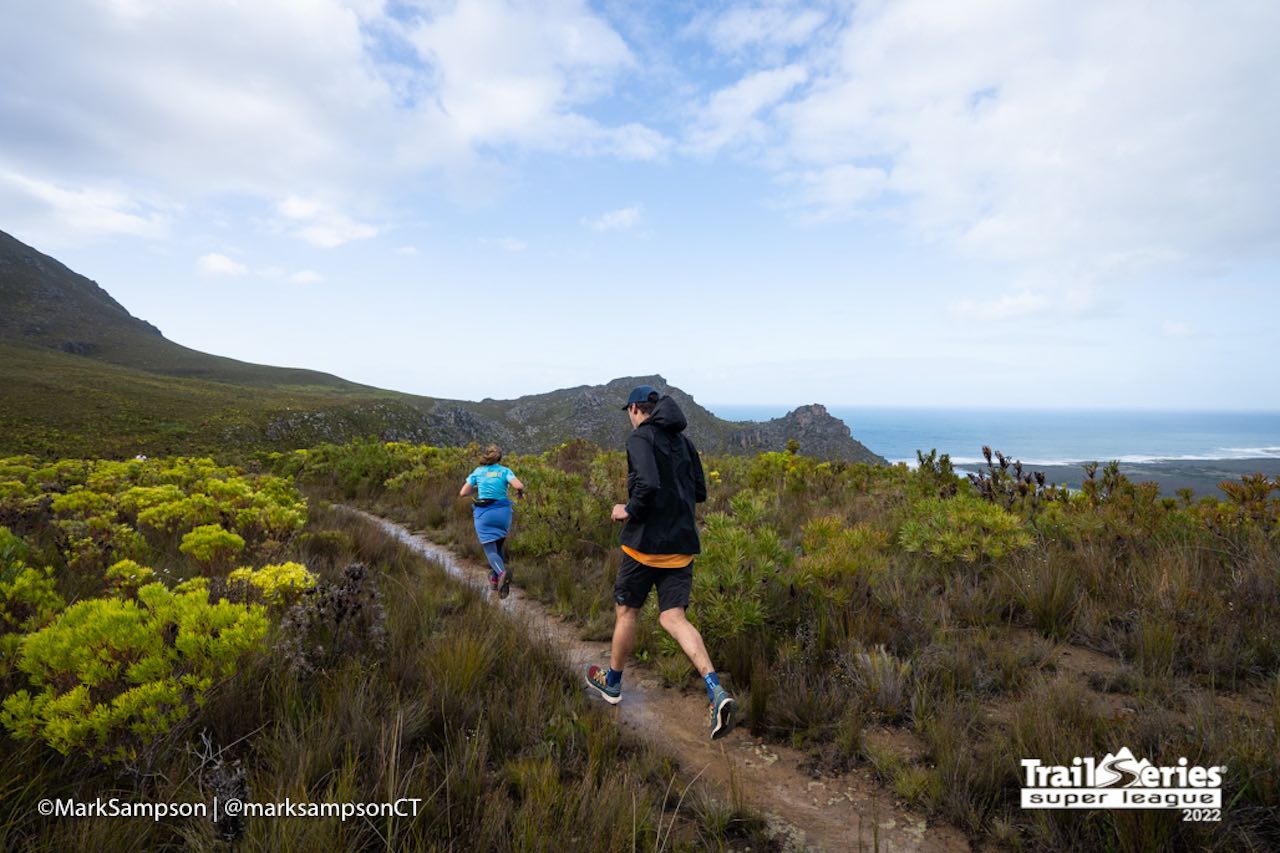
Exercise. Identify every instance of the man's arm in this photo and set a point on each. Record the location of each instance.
(699, 479)
(645, 486)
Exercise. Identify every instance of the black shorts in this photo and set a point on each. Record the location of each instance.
(635, 579)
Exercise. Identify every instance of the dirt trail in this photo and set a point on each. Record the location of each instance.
(847, 812)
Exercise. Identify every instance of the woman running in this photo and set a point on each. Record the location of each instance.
(492, 512)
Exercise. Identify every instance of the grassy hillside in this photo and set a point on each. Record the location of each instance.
(79, 375)
(57, 403)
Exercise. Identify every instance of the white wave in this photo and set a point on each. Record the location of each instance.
(1220, 454)
(1254, 452)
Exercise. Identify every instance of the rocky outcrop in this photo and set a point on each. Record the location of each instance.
(593, 413)
(818, 433)
(539, 422)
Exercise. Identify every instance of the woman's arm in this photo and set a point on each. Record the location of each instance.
(515, 481)
(466, 490)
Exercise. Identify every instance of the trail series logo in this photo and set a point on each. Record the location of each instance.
(1120, 781)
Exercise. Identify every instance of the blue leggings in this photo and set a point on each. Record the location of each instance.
(496, 551)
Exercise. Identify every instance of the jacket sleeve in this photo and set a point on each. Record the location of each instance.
(645, 485)
(699, 480)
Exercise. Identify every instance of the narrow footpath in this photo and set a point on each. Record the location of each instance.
(851, 811)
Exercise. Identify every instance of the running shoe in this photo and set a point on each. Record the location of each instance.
(493, 581)
(597, 678)
(505, 587)
(723, 713)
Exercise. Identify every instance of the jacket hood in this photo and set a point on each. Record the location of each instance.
(667, 415)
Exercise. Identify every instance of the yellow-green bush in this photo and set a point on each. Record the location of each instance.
(81, 503)
(182, 514)
(29, 599)
(12, 489)
(736, 585)
(963, 529)
(128, 575)
(109, 675)
(279, 585)
(211, 545)
(834, 551)
(140, 498)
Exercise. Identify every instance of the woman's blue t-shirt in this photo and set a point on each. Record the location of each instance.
(490, 481)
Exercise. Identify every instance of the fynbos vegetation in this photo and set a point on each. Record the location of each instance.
(173, 629)
(938, 629)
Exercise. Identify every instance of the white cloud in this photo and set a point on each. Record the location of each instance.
(1093, 132)
(615, 220)
(1007, 307)
(507, 244)
(1175, 329)
(219, 264)
(834, 190)
(281, 98)
(321, 225)
(52, 214)
(768, 25)
(219, 97)
(1044, 299)
(407, 250)
(514, 72)
(731, 114)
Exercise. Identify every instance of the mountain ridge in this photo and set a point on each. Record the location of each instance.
(82, 375)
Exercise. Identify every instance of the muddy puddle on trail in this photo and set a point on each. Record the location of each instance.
(837, 813)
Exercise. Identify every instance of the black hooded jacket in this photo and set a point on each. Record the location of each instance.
(664, 481)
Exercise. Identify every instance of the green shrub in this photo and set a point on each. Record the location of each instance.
(81, 503)
(180, 515)
(128, 575)
(28, 600)
(278, 585)
(212, 545)
(12, 549)
(963, 529)
(139, 498)
(839, 558)
(735, 588)
(109, 675)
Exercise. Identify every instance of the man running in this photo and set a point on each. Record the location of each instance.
(659, 540)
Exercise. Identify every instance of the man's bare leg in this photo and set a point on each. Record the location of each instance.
(625, 626)
(674, 623)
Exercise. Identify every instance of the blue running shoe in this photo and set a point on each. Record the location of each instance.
(724, 712)
(597, 679)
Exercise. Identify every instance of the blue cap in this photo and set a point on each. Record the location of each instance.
(642, 394)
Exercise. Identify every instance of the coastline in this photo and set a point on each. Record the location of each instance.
(1202, 476)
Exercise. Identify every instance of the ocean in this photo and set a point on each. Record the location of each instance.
(1047, 437)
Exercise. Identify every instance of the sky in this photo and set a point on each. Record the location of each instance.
(919, 202)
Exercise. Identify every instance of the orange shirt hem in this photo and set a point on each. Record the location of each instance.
(659, 561)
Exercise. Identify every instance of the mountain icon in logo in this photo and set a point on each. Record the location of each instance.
(1119, 770)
